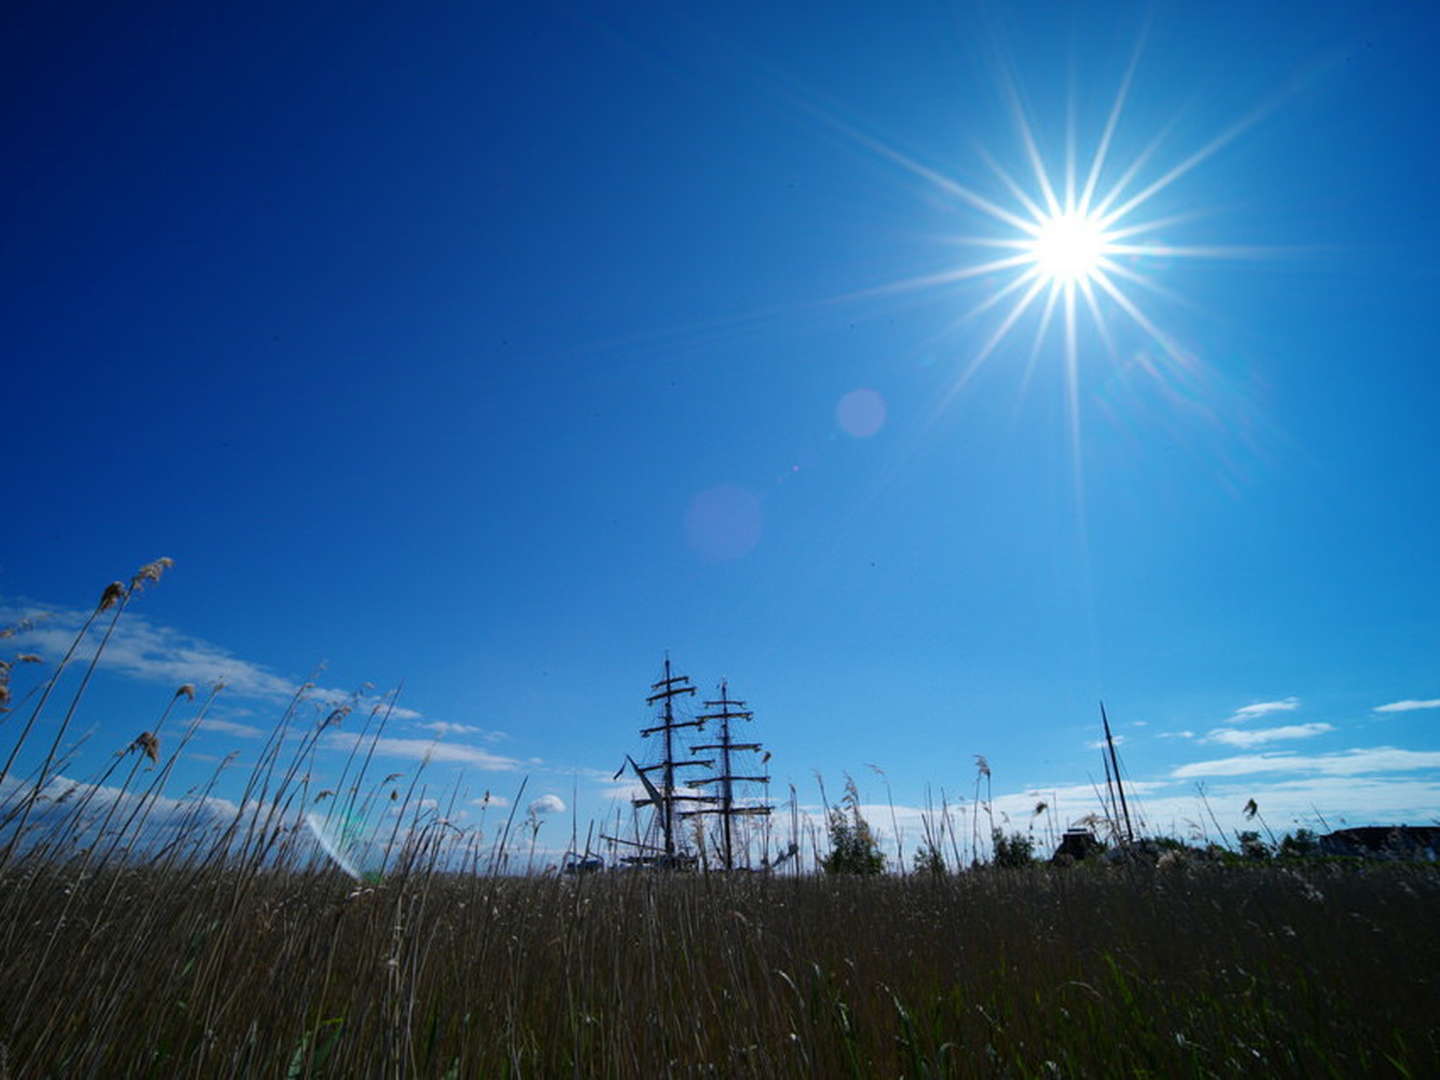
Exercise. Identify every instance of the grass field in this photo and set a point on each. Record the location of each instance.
(147, 936)
(1325, 970)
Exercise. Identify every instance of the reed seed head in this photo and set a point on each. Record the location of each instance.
(148, 745)
(336, 715)
(151, 572)
(112, 594)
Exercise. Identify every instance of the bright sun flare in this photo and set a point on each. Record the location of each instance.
(1072, 247)
(1069, 247)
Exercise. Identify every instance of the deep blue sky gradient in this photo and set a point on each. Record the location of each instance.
(413, 336)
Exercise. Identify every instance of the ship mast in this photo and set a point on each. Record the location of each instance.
(664, 797)
(729, 709)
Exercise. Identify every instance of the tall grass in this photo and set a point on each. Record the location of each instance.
(144, 936)
(1206, 971)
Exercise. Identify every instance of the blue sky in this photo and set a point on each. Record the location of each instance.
(496, 352)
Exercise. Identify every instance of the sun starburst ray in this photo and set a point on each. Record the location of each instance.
(1204, 251)
(1072, 393)
(1142, 280)
(1133, 169)
(940, 180)
(1158, 223)
(944, 277)
(1015, 189)
(1141, 319)
(1020, 281)
(1070, 140)
(992, 343)
(1087, 289)
(1209, 149)
(1103, 147)
(1032, 151)
(990, 241)
(1041, 331)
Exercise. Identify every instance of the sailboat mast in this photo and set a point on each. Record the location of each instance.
(1115, 764)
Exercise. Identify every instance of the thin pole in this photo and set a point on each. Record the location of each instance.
(1115, 763)
(668, 791)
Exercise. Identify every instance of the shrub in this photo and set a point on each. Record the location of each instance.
(1299, 844)
(853, 849)
(1013, 851)
(1252, 847)
(929, 860)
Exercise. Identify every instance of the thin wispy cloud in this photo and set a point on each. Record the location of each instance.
(230, 727)
(1099, 744)
(163, 811)
(446, 727)
(1262, 708)
(1243, 738)
(1409, 705)
(1357, 762)
(149, 652)
(1176, 735)
(425, 750)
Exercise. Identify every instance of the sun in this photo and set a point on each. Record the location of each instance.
(1069, 248)
(1071, 243)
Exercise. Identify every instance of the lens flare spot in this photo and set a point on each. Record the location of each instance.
(861, 413)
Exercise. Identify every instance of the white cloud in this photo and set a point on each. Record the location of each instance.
(1408, 705)
(547, 804)
(1321, 803)
(142, 650)
(1177, 735)
(489, 799)
(425, 749)
(1346, 763)
(1262, 708)
(1157, 806)
(1236, 737)
(1099, 744)
(61, 795)
(446, 727)
(623, 789)
(230, 727)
